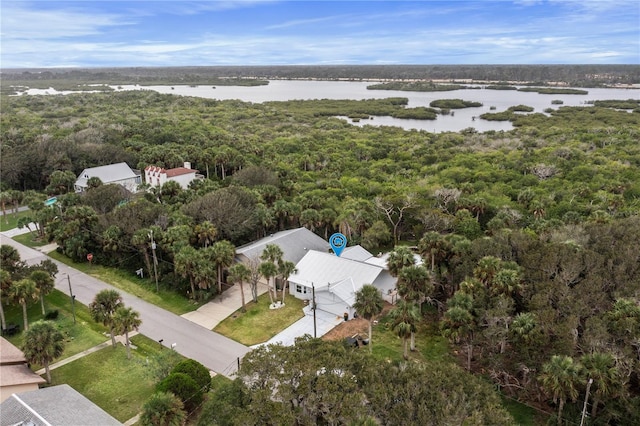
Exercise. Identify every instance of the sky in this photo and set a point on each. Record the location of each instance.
(81, 33)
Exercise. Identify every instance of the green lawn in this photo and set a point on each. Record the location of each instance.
(430, 345)
(82, 335)
(10, 221)
(29, 240)
(260, 323)
(118, 385)
(142, 288)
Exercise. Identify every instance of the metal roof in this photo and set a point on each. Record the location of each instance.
(294, 243)
(325, 270)
(357, 252)
(107, 174)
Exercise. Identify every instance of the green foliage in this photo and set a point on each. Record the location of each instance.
(521, 108)
(316, 382)
(417, 86)
(198, 372)
(163, 409)
(184, 387)
(454, 104)
(43, 343)
(553, 91)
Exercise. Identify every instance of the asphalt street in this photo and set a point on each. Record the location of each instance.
(213, 350)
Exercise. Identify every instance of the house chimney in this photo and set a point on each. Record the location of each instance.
(187, 165)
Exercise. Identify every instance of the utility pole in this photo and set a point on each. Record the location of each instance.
(313, 293)
(155, 259)
(586, 398)
(73, 299)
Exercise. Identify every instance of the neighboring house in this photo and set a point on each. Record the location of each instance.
(158, 176)
(15, 374)
(294, 243)
(53, 406)
(119, 173)
(335, 280)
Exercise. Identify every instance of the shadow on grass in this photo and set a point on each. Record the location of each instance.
(260, 323)
(118, 385)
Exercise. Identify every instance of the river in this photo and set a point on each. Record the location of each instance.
(283, 90)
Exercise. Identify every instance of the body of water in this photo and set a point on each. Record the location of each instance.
(284, 90)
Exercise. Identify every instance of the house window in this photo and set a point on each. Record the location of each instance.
(301, 289)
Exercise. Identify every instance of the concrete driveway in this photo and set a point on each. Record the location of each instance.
(325, 322)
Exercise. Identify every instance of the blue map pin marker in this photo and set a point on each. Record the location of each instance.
(338, 242)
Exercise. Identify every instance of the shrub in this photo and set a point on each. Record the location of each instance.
(198, 372)
(163, 409)
(184, 387)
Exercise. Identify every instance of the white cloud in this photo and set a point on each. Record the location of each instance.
(19, 22)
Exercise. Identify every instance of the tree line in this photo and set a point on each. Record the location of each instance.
(529, 238)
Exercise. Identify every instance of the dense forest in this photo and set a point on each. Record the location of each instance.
(530, 238)
(572, 75)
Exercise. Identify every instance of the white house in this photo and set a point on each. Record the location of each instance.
(335, 280)
(158, 176)
(119, 173)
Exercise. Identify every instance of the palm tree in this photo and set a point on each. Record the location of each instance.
(238, 274)
(206, 233)
(286, 269)
(163, 409)
(141, 240)
(126, 320)
(22, 292)
(458, 323)
(405, 319)
(400, 257)
(560, 377)
(432, 246)
(43, 343)
(601, 367)
(10, 258)
(4, 199)
(103, 308)
(44, 283)
(186, 261)
(487, 269)
(368, 305)
(5, 283)
(221, 254)
(415, 285)
(272, 253)
(269, 270)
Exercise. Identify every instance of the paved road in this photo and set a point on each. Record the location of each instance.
(213, 350)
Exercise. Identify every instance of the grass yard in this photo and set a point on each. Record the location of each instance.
(116, 384)
(29, 240)
(260, 323)
(10, 220)
(82, 335)
(430, 345)
(142, 288)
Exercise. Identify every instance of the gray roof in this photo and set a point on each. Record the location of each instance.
(57, 405)
(107, 174)
(294, 243)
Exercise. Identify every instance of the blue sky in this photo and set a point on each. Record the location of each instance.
(255, 32)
